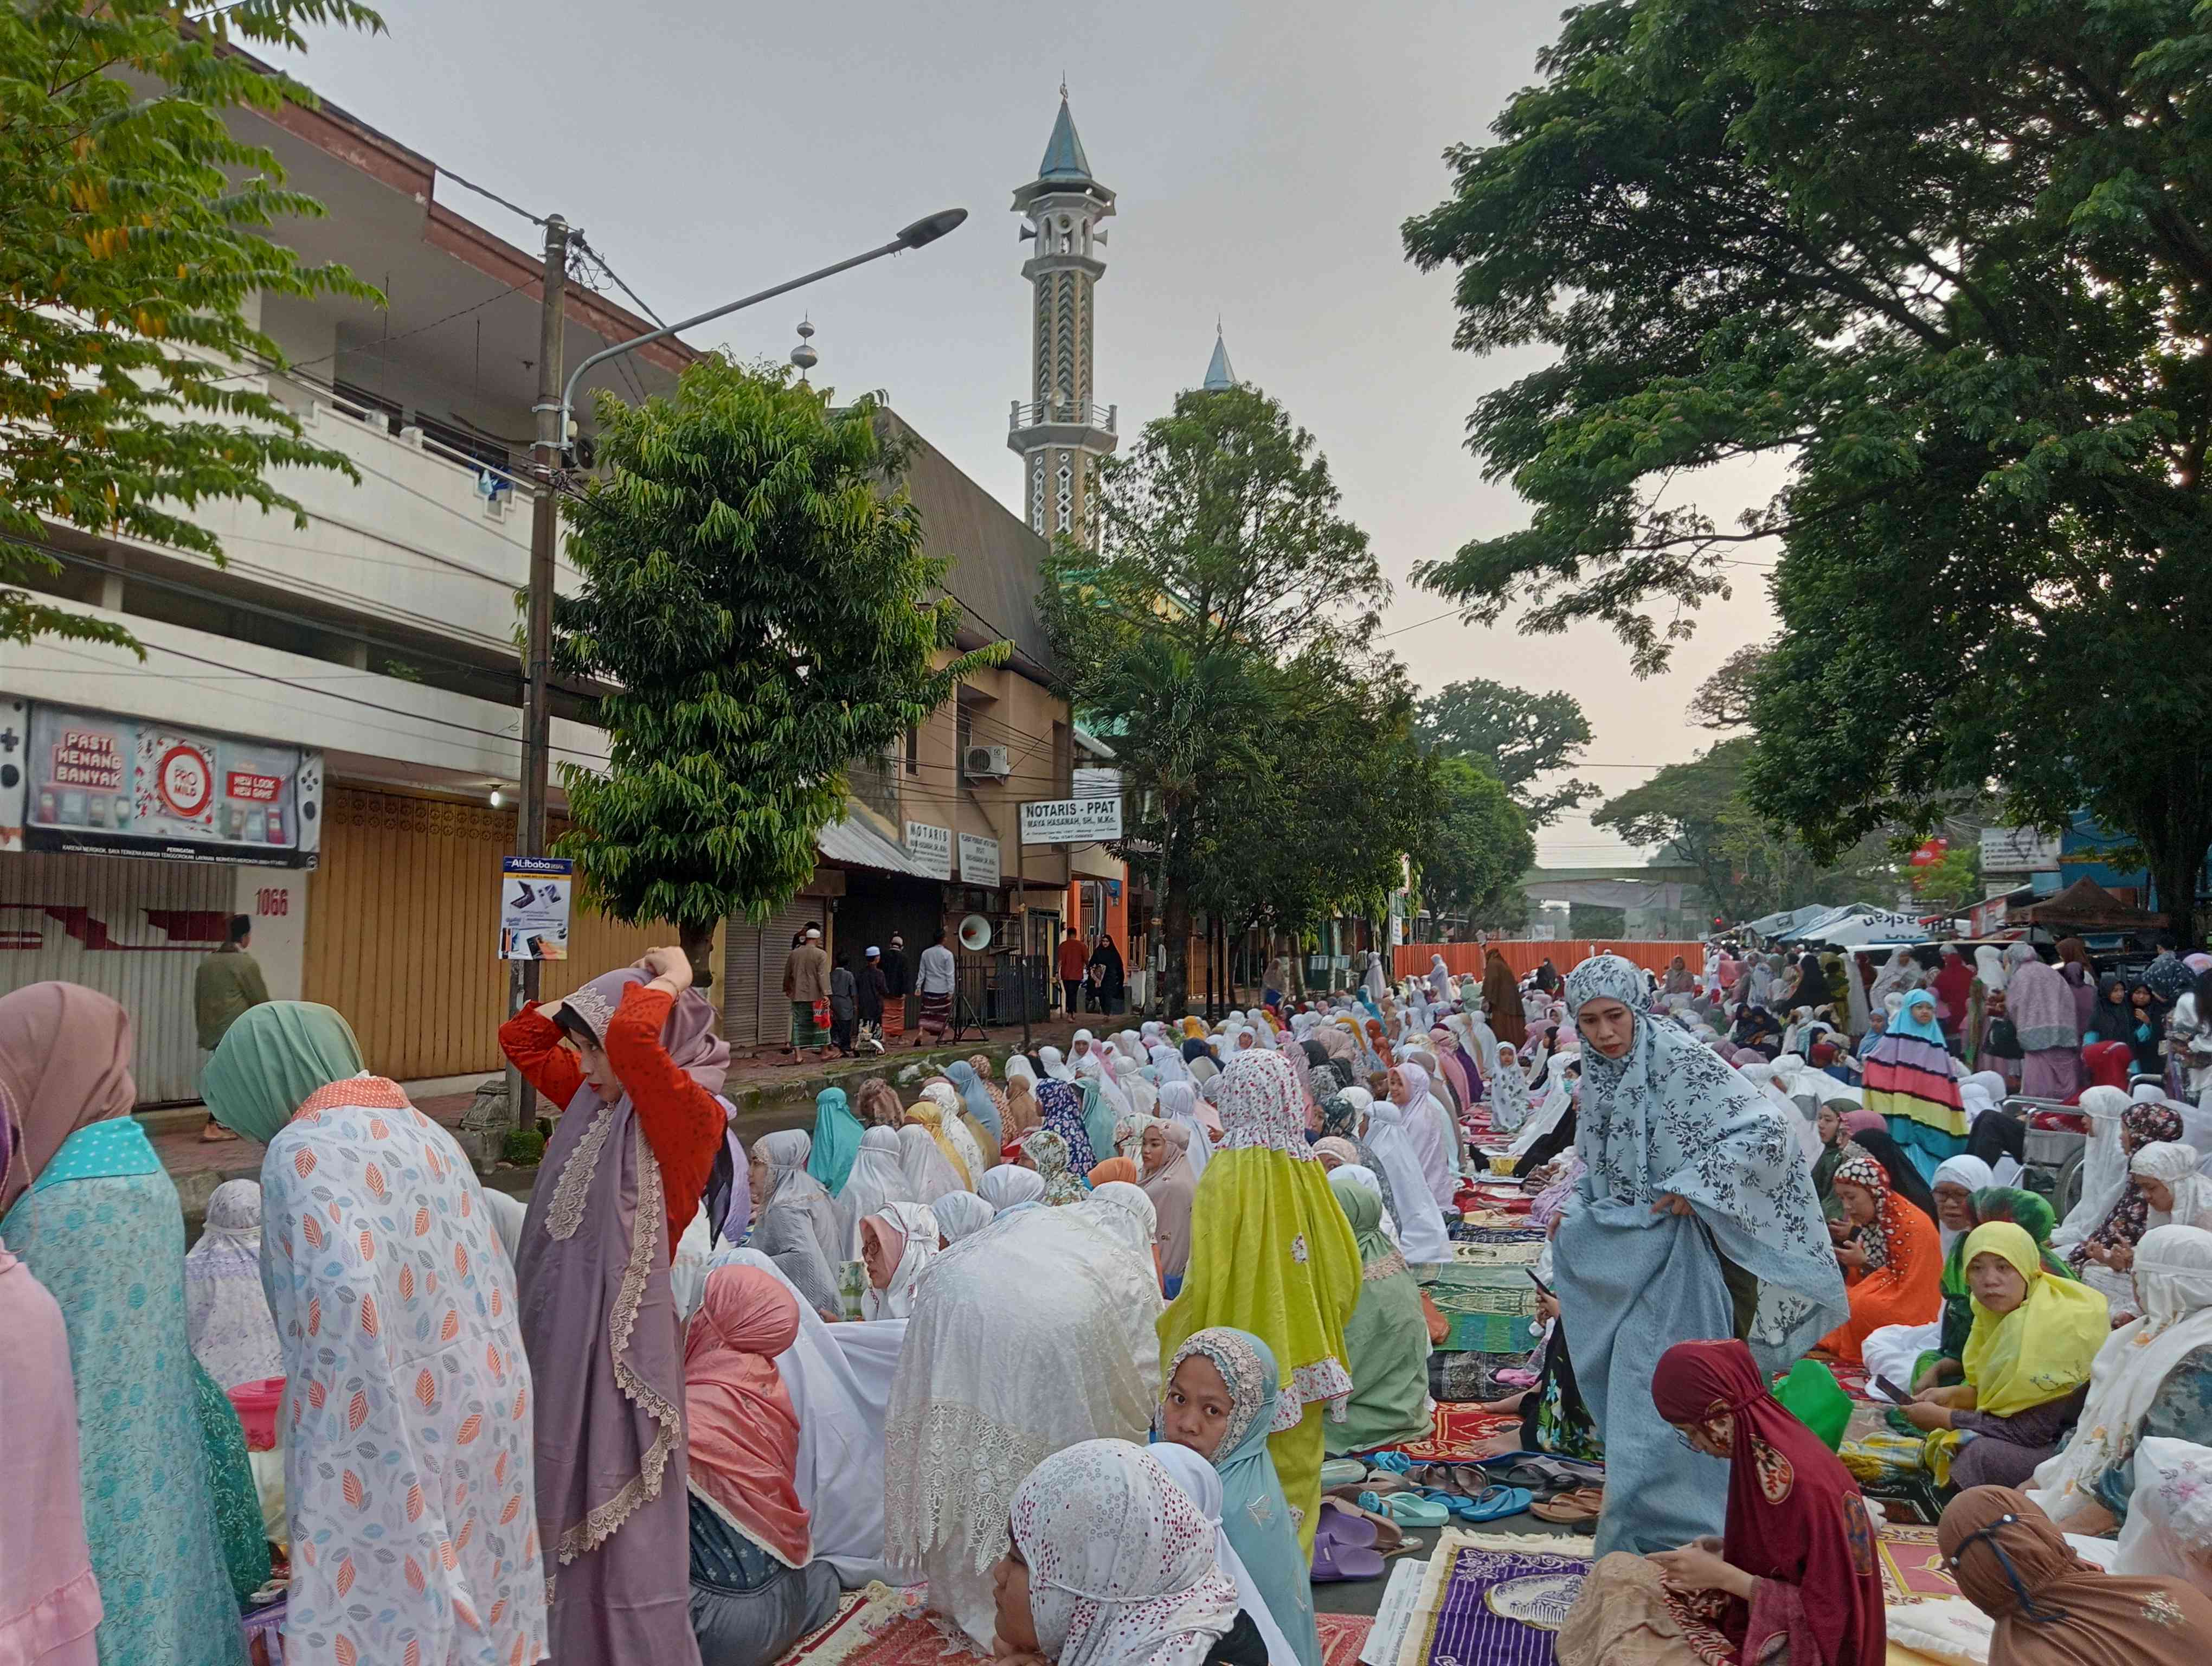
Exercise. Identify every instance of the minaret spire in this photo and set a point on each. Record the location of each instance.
(1060, 433)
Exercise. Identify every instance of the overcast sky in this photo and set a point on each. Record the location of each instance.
(1264, 155)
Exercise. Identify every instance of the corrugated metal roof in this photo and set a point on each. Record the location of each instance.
(853, 841)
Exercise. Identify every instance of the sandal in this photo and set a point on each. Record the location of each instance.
(1495, 1503)
(1345, 1527)
(1333, 1562)
(1408, 1509)
(1576, 1509)
(1337, 1472)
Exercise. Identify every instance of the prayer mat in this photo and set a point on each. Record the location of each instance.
(1519, 1250)
(1494, 1600)
(1913, 1568)
(880, 1626)
(1490, 1309)
(1496, 1219)
(1342, 1637)
(1459, 1434)
(1455, 1377)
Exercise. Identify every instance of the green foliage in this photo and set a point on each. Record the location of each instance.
(1514, 735)
(762, 605)
(1723, 700)
(131, 240)
(1216, 635)
(1476, 851)
(1953, 882)
(524, 1146)
(1950, 267)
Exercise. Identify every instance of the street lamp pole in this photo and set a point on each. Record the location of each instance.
(551, 446)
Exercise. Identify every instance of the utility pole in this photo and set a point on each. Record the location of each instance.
(538, 668)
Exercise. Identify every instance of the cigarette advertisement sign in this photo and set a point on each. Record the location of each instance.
(533, 907)
(98, 783)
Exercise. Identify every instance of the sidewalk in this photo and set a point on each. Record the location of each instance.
(767, 1094)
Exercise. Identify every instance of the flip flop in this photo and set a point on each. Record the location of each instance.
(1339, 1471)
(1396, 1463)
(1496, 1503)
(1406, 1509)
(1333, 1562)
(1344, 1527)
(1575, 1509)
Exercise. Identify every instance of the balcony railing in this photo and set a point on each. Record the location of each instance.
(1061, 411)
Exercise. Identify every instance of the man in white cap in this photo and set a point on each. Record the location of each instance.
(806, 983)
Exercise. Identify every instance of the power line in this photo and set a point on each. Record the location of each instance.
(512, 207)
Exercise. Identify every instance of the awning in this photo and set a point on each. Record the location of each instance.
(855, 843)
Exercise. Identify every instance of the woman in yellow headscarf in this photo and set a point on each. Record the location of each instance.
(1193, 1029)
(927, 1113)
(2026, 1361)
(1272, 1254)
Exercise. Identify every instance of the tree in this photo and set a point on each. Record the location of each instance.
(130, 241)
(1723, 700)
(1953, 267)
(1685, 807)
(1516, 736)
(759, 597)
(1479, 847)
(1224, 563)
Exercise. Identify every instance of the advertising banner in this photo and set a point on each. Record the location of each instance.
(534, 894)
(98, 783)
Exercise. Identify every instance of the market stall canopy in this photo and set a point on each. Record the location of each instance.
(2084, 906)
(1876, 928)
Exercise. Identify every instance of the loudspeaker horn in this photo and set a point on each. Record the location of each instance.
(974, 934)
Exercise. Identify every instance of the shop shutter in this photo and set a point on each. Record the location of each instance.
(755, 1011)
(403, 932)
(129, 927)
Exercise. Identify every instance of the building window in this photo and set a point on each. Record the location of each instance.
(1036, 494)
(1064, 514)
(913, 751)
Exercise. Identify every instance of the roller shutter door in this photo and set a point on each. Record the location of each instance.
(132, 929)
(755, 1011)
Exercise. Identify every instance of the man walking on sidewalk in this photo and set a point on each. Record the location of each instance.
(228, 985)
(935, 987)
(1073, 961)
(806, 982)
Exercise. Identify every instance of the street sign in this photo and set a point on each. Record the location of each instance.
(1071, 821)
(533, 907)
(931, 848)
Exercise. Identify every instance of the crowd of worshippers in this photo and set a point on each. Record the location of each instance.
(1068, 1341)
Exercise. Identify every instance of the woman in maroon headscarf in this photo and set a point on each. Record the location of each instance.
(1798, 1565)
(621, 1180)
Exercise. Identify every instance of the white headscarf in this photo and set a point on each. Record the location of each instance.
(1009, 1186)
(2104, 1166)
(1018, 1069)
(1055, 1067)
(1421, 1224)
(1124, 1212)
(2175, 1164)
(917, 1228)
(2169, 1526)
(876, 1179)
(1201, 1482)
(1427, 1128)
(1961, 1170)
(962, 1214)
(1990, 966)
(1122, 1568)
(929, 1172)
(2173, 1280)
(226, 1312)
(1179, 1104)
(1367, 1177)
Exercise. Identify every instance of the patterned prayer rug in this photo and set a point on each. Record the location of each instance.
(1342, 1637)
(1459, 1436)
(1494, 1600)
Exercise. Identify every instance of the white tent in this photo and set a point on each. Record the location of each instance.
(1878, 928)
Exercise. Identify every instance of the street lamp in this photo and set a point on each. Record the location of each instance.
(922, 232)
(551, 446)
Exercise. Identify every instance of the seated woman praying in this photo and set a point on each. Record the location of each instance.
(2051, 1608)
(1385, 1339)
(1793, 1579)
(1111, 1564)
(2152, 1380)
(1220, 1401)
(1893, 1274)
(755, 1586)
(1933, 1363)
(1897, 1351)
(2027, 1366)
(896, 1245)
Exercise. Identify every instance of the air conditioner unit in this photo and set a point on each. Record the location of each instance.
(987, 763)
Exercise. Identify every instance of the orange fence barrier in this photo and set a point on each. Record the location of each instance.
(1524, 956)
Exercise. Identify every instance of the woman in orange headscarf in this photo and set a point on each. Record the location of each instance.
(755, 1589)
(1893, 1274)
